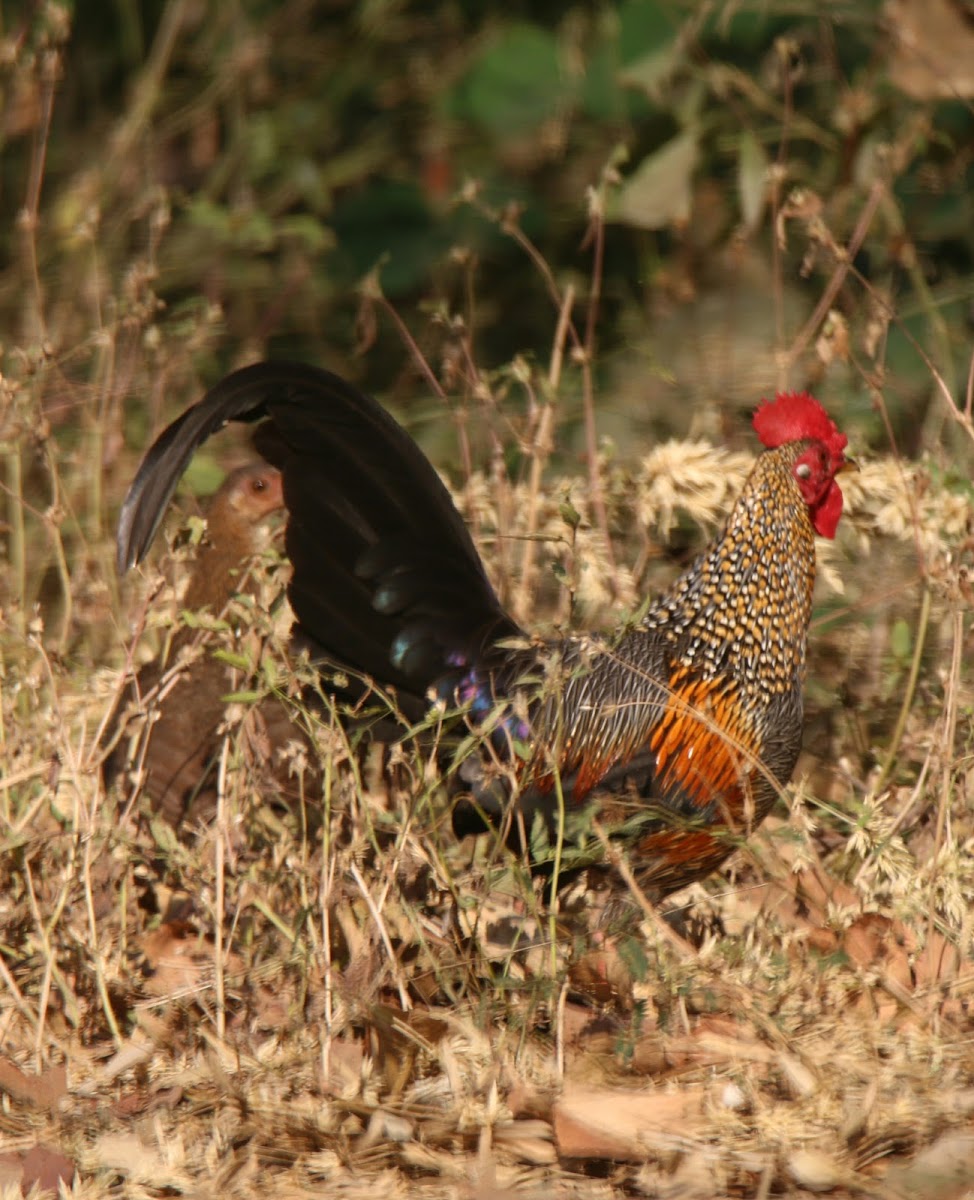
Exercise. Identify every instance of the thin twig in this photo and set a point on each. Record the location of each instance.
(596, 491)
(843, 267)
(219, 906)
(909, 692)
(380, 925)
(950, 735)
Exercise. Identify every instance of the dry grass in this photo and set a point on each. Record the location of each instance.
(273, 1002)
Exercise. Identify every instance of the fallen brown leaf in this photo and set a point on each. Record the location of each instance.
(625, 1125)
(44, 1168)
(43, 1091)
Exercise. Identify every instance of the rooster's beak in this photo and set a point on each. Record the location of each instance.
(848, 464)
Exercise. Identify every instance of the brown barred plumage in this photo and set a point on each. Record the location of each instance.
(176, 747)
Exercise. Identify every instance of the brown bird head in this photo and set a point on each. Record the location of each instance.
(798, 417)
(251, 493)
(234, 516)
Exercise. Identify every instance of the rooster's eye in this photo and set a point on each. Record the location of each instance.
(803, 471)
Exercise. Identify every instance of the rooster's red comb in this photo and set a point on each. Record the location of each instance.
(795, 416)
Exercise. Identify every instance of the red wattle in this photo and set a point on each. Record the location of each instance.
(825, 515)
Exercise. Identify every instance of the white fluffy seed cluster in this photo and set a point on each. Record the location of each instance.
(697, 483)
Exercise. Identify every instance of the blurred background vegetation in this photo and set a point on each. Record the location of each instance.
(723, 198)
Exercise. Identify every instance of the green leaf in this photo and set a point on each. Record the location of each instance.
(240, 661)
(901, 639)
(645, 27)
(752, 179)
(308, 230)
(658, 192)
(203, 476)
(203, 620)
(652, 72)
(569, 514)
(632, 951)
(516, 85)
(392, 217)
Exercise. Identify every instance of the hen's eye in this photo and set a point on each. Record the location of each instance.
(803, 471)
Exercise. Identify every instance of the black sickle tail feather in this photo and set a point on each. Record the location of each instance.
(386, 578)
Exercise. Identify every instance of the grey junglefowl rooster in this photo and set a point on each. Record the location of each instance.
(679, 730)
